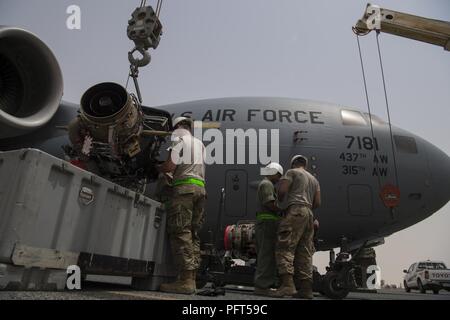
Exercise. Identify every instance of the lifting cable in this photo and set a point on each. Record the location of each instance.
(158, 7)
(358, 33)
(388, 112)
(368, 109)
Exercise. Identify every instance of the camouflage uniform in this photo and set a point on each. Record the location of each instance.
(295, 247)
(185, 214)
(163, 189)
(185, 217)
(265, 233)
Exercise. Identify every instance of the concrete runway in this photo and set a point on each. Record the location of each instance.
(102, 291)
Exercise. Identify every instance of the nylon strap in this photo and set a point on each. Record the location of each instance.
(194, 181)
(267, 216)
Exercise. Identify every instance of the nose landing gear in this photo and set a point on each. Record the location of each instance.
(344, 273)
(340, 277)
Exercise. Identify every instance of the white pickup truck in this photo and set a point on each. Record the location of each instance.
(427, 275)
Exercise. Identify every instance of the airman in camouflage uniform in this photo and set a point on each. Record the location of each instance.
(163, 190)
(295, 247)
(185, 209)
(267, 219)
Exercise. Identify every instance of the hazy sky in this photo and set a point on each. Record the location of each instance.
(300, 49)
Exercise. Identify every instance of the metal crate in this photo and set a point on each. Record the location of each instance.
(53, 214)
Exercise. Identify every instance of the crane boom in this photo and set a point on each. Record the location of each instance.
(401, 24)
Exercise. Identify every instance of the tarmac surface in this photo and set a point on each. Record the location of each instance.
(102, 291)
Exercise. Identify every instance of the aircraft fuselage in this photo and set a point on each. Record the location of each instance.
(351, 165)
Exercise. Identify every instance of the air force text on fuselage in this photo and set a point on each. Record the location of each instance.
(250, 146)
(259, 114)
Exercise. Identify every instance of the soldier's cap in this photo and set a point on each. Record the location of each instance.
(272, 169)
(299, 157)
(178, 120)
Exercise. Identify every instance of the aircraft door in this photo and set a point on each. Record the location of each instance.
(359, 200)
(236, 193)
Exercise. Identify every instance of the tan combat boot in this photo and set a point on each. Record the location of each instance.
(304, 290)
(263, 292)
(287, 288)
(185, 285)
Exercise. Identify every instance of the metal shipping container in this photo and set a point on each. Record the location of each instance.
(53, 214)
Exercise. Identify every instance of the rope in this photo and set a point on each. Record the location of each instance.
(369, 111)
(388, 112)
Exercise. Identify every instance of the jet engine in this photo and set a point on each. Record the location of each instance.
(117, 138)
(31, 84)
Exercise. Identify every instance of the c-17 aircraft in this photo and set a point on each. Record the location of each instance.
(376, 179)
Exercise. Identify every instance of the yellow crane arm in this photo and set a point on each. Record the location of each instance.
(401, 24)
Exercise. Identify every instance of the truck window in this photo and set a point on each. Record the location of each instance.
(436, 266)
(421, 266)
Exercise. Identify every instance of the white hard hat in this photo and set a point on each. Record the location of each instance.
(297, 157)
(179, 119)
(271, 169)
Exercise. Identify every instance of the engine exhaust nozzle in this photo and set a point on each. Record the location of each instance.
(107, 107)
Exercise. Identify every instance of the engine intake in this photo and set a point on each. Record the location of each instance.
(31, 84)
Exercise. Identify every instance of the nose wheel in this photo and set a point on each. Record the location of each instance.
(340, 277)
(333, 286)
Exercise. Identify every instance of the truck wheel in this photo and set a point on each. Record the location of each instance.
(331, 287)
(407, 289)
(421, 287)
(436, 291)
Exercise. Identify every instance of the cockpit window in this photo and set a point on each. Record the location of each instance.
(375, 119)
(352, 118)
(405, 144)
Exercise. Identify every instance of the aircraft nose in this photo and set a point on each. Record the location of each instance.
(439, 163)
